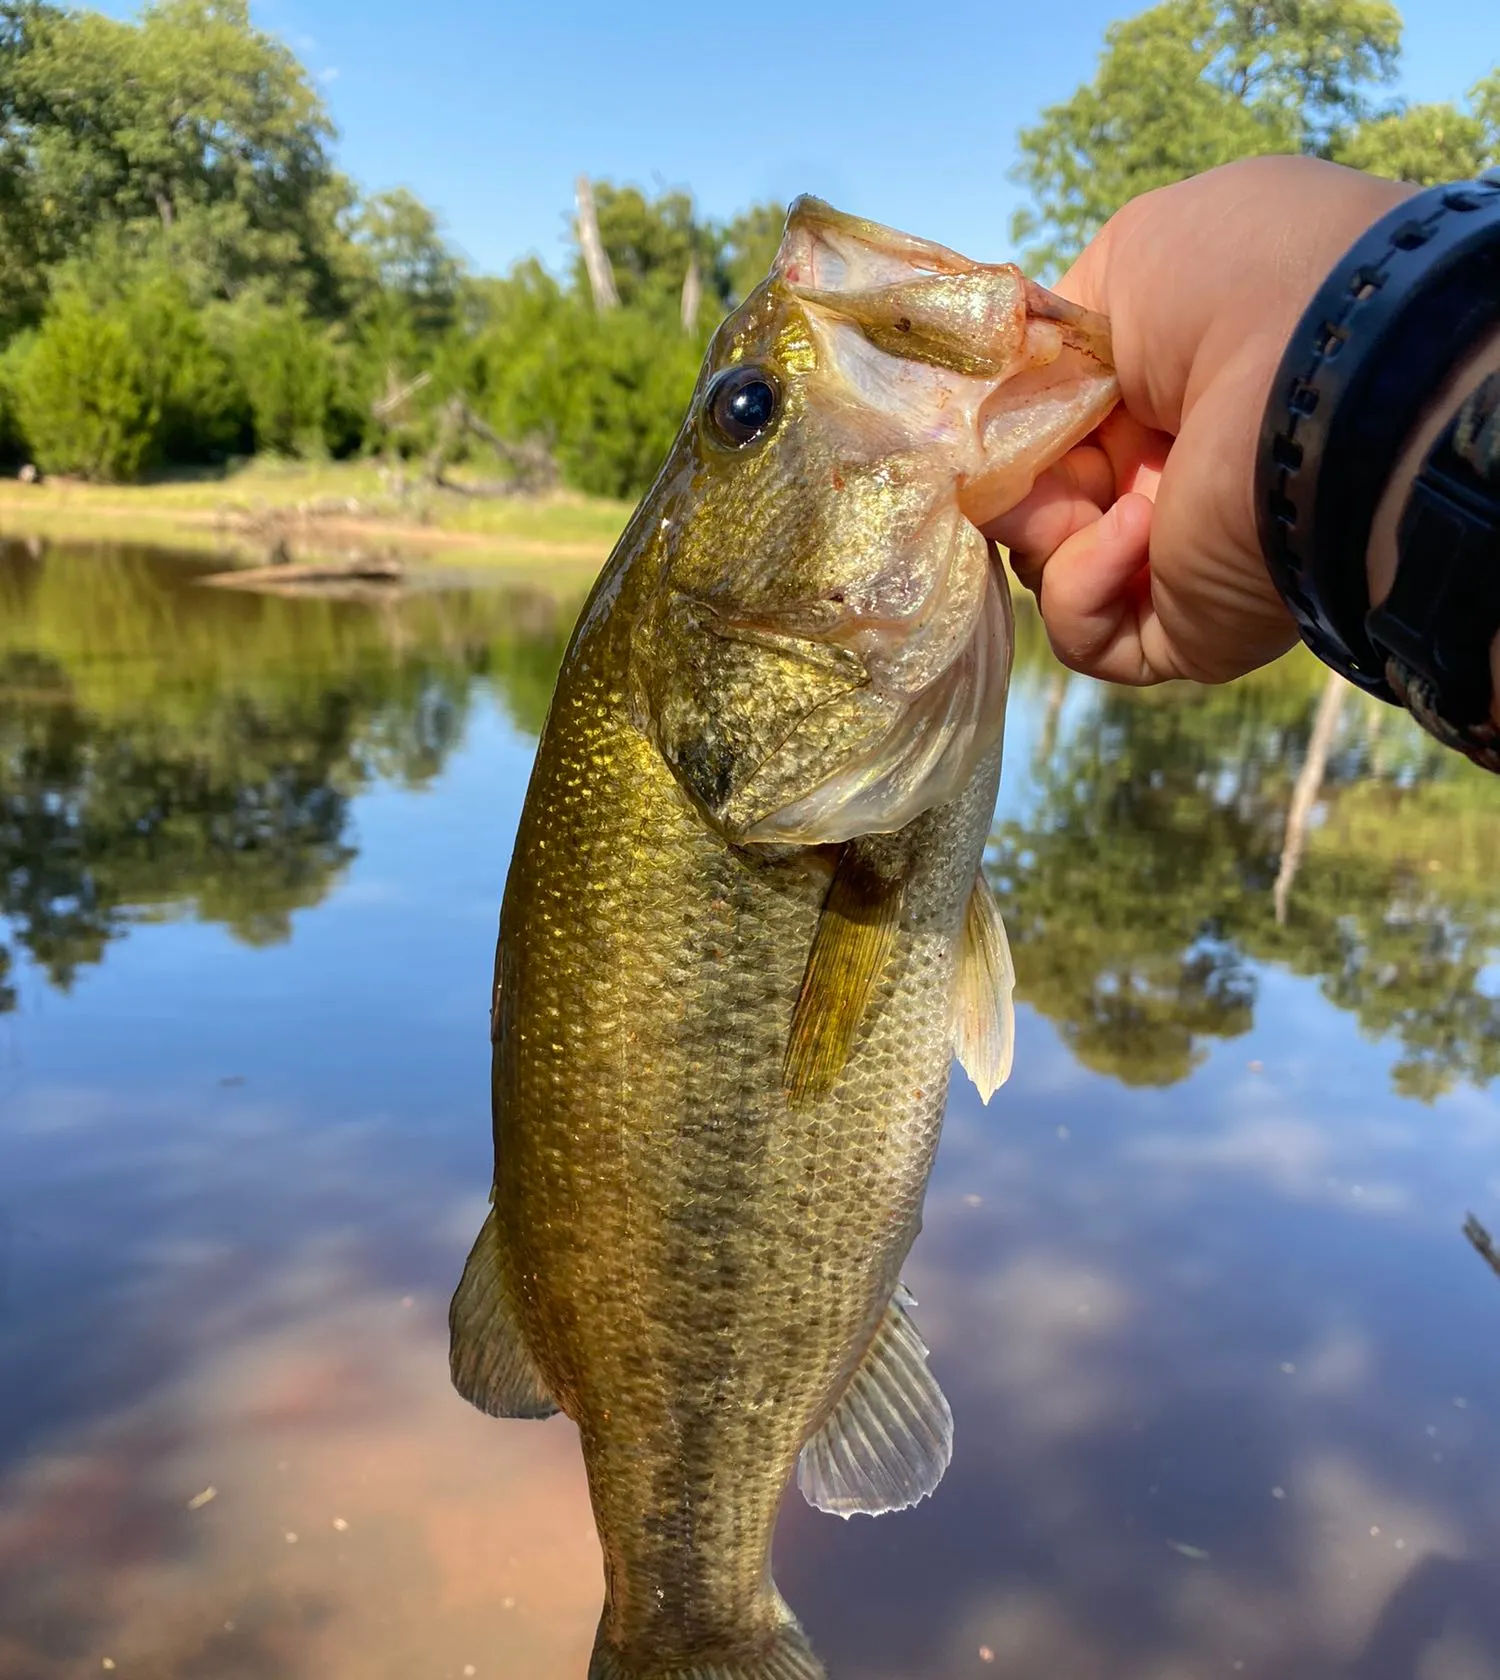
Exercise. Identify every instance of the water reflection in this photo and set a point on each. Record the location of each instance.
(167, 748)
(1223, 1363)
(1139, 888)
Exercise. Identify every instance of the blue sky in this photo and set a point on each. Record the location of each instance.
(909, 115)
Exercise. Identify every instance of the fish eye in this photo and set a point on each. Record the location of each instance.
(743, 403)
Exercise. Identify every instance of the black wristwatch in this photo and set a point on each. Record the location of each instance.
(1388, 327)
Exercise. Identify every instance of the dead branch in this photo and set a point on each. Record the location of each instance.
(1483, 1242)
(595, 257)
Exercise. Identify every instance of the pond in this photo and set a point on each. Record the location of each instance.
(1226, 1371)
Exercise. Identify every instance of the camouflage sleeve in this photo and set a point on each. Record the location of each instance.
(1476, 431)
(1472, 443)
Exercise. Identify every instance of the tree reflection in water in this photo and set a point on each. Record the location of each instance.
(1139, 887)
(169, 749)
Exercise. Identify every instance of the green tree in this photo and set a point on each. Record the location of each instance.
(288, 367)
(414, 273)
(606, 393)
(750, 242)
(1429, 144)
(1194, 83)
(84, 396)
(190, 120)
(650, 243)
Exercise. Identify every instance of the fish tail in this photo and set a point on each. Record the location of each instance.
(785, 1655)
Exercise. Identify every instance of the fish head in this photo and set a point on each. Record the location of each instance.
(827, 645)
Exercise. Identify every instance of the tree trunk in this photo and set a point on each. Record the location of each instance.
(595, 257)
(1305, 793)
(1057, 692)
(692, 294)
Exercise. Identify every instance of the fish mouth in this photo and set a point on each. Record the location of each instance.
(924, 302)
(828, 250)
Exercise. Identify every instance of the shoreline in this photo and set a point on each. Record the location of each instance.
(278, 512)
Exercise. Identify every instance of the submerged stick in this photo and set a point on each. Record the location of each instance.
(1483, 1242)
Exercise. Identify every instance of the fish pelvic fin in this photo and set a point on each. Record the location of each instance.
(488, 1358)
(853, 942)
(888, 1441)
(984, 1025)
(782, 1655)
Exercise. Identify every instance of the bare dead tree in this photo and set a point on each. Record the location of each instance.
(595, 257)
(531, 465)
(692, 294)
(1305, 793)
(397, 396)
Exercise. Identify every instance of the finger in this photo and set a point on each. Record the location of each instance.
(1136, 453)
(1095, 596)
(1119, 456)
(1063, 500)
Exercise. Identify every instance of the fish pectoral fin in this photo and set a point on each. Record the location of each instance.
(855, 935)
(888, 1441)
(488, 1359)
(984, 1009)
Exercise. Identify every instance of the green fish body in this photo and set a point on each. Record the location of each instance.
(744, 931)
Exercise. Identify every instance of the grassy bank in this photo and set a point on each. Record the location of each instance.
(305, 512)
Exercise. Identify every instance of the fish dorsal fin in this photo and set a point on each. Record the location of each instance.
(984, 1024)
(888, 1441)
(488, 1358)
(855, 935)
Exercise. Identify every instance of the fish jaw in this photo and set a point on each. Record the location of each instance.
(1047, 362)
(921, 395)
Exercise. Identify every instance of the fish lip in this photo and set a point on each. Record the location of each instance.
(810, 216)
(820, 243)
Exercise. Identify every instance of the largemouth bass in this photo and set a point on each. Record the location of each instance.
(745, 929)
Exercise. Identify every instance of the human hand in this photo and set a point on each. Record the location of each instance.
(1141, 544)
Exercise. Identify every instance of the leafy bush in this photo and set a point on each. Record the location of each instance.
(606, 392)
(83, 394)
(199, 400)
(289, 375)
(12, 438)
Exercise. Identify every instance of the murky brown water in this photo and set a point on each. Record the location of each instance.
(1226, 1373)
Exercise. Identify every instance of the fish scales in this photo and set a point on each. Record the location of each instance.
(725, 1007)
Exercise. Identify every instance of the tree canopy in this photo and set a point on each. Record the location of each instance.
(1189, 84)
(184, 272)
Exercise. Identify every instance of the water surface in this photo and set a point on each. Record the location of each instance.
(1226, 1373)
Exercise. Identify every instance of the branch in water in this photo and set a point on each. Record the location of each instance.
(1483, 1241)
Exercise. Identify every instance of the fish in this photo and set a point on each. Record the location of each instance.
(745, 930)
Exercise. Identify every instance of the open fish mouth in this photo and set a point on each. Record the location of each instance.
(927, 302)
(845, 667)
